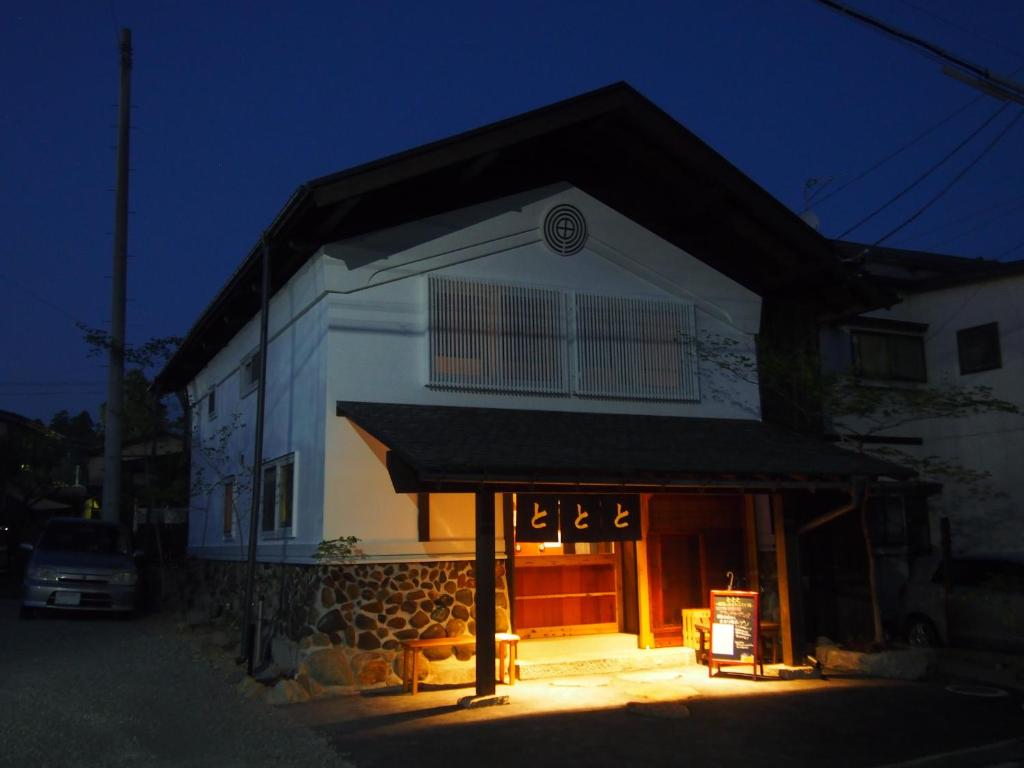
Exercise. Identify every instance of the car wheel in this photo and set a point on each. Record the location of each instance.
(921, 633)
(26, 612)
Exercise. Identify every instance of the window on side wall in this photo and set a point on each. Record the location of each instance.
(277, 496)
(229, 508)
(249, 372)
(978, 348)
(211, 404)
(888, 356)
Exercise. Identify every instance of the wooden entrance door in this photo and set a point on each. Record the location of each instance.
(692, 543)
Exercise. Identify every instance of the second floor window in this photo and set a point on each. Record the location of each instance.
(978, 348)
(509, 338)
(888, 356)
(496, 337)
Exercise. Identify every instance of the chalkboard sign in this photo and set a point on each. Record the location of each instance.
(733, 629)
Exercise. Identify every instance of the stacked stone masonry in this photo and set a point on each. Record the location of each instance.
(350, 619)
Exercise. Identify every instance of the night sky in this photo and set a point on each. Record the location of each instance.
(237, 103)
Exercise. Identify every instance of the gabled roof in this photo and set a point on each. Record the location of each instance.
(613, 144)
(449, 448)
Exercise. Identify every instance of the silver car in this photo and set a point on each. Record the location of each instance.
(81, 565)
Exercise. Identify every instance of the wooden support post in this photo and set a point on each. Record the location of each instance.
(646, 636)
(485, 607)
(750, 537)
(423, 516)
(508, 531)
(791, 613)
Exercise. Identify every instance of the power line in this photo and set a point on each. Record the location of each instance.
(971, 230)
(962, 28)
(952, 182)
(957, 67)
(895, 153)
(1010, 206)
(949, 155)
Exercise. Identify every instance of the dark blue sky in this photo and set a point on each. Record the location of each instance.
(237, 103)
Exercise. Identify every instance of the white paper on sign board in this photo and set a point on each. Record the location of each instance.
(722, 640)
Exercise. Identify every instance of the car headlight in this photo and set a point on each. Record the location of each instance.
(124, 577)
(42, 574)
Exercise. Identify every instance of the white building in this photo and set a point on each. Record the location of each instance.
(957, 327)
(504, 324)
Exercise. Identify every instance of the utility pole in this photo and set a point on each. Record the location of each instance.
(976, 76)
(246, 642)
(115, 372)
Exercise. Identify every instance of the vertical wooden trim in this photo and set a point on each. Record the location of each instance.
(750, 536)
(485, 607)
(510, 558)
(705, 599)
(646, 637)
(787, 556)
(618, 587)
(423, 515)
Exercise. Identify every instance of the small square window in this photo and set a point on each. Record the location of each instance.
(249, 372)
(978, 348)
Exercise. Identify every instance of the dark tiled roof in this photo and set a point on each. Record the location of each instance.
(449, 444)
(612, 143)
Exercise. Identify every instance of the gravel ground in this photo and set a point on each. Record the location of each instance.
(101, 691)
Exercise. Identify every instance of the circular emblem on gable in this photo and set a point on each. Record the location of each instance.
(565, 230)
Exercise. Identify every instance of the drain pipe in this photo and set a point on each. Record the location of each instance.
(857, 493)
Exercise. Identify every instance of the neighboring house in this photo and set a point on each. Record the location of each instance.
(476, 339)
(957, 324)
(32, 486)
(155, 492)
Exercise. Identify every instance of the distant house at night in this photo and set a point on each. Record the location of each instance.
(503, 331)
(958, 323)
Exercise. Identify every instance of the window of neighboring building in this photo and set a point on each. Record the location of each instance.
(635, 348)
(211, 404)
(249, 372)
(229, 507)
(278, 496)
(978, 348)
(887, 521)
(888, 356)
(491, 336)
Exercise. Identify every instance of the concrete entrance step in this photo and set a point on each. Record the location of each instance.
(594, 655)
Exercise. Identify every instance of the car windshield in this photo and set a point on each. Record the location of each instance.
(84, 537)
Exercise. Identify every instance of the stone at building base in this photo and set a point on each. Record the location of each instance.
(799, 673)
(475, 702)
(285, 653)
(286, 692)
(897, 664)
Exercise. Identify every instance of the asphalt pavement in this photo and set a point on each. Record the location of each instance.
(98, 691)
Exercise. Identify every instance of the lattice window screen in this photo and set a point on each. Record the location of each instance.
(499, 337)
(636, 348)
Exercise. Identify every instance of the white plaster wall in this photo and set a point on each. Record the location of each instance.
(992, 442)
(294, 423)
(378, 345)
(352, 325)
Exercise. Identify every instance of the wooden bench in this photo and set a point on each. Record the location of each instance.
(506, 641)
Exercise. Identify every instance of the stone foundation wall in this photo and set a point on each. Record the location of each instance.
(349, 620)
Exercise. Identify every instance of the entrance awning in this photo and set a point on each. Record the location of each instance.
(440, 448)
